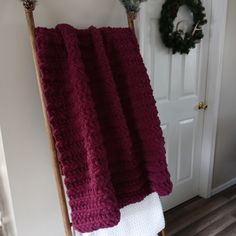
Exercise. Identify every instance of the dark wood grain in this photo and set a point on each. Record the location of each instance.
(229, 231)
(204, 217)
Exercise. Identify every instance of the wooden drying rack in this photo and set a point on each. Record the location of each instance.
(29, 6)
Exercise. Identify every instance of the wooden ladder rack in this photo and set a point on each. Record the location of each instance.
(29, 6)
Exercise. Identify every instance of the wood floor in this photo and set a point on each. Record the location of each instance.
(204, 217)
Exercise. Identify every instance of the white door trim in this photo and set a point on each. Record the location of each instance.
(214, 77)
(215, 47)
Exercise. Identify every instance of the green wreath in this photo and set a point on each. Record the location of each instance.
(178, 40)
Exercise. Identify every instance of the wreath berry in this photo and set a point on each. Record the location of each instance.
(178, 40)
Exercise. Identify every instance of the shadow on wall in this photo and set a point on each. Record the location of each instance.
(225, 160)
(7, 221)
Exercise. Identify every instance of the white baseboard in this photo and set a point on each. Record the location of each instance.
(223, 186)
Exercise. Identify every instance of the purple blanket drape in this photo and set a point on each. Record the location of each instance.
(104, 121)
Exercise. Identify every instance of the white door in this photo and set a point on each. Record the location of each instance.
(179, 84)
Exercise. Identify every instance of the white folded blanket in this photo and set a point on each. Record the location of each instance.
(144, 218)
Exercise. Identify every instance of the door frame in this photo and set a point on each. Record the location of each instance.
(213, 87)
(214, 44)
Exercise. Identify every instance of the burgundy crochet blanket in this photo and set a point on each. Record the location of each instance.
(104, 121)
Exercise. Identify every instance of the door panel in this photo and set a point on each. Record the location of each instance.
(185, 151)
(178, 87)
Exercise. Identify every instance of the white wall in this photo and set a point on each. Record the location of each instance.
(26, 148)
(225, 155)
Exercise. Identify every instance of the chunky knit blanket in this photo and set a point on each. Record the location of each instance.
(104, 121)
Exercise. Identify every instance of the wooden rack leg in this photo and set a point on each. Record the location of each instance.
(162, 233)
(29, 6)
(131, 17)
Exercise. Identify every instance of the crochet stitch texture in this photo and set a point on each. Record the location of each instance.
(104, 121)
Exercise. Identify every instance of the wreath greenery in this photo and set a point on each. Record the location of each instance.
(178, 40)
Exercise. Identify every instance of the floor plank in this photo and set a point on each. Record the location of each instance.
(204, 217)
(218, 226)
(229, 231)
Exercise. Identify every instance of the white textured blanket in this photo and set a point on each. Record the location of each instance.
(139, 219)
